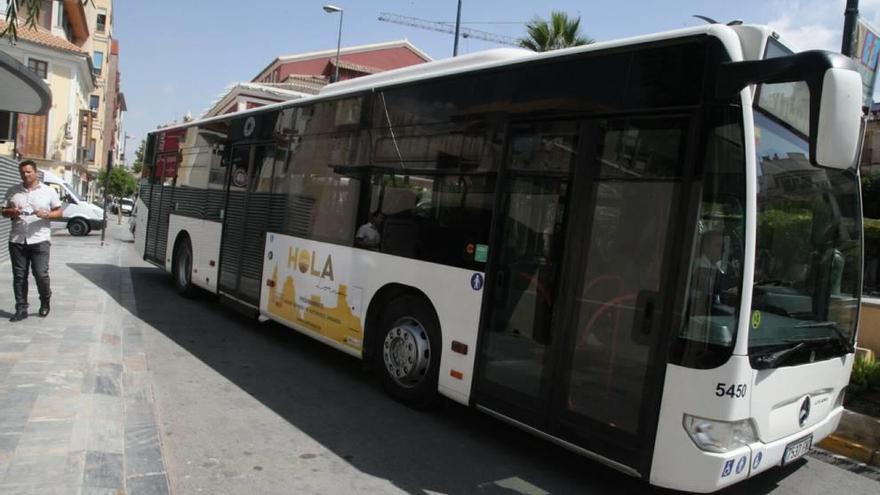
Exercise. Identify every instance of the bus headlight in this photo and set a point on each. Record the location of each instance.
(719, 436)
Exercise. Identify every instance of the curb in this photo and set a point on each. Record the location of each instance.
(853, 450)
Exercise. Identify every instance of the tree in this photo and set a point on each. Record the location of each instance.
(138, 164)
(30, 9)
(122, 184)
(560, 31)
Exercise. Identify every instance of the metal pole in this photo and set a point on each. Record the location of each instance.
(338, 45)
(457, 26)
(106, 188)
(850, 15)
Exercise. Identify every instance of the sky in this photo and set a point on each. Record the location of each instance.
(178, 56)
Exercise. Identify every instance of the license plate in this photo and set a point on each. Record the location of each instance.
(797, 449)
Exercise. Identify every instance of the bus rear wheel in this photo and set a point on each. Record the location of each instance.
(181, 267)
(409, 351)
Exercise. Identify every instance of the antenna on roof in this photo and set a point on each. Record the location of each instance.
(735, 22)
(709, 20)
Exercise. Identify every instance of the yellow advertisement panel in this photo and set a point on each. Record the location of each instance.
(306, 288)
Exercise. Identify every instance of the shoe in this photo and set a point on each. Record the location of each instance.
(19, 315)
(44, 310)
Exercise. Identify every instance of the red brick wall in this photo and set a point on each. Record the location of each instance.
(389, 58)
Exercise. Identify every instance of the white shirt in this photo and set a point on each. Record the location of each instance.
(28, 228)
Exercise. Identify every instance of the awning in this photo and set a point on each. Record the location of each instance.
(21, 90)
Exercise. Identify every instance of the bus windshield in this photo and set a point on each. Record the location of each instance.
(808, 253)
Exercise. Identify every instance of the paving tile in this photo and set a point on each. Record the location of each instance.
(143, 453)
(91, 490)
(54, 407)
(106, 385)
(154, 484)
(104, 353)
(134, 363)
(8, 442)
(105, 436)
(76, 463)
(11, 347)
(16, 410)
(39, 488)
(104, 470)
(45, 438)
(42, 469)
(40, 350)
(107, 407)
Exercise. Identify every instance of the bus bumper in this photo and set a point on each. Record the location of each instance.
(705, 472)
(770, 454)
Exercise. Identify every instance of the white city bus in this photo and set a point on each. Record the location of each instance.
(647, 251)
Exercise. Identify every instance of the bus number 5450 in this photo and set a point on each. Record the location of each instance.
(734, 390)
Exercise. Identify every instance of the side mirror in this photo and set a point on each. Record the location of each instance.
(835, 87)
(839, 130)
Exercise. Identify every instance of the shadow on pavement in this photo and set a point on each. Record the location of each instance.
(330, 397)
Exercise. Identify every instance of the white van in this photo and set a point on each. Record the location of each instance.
(80, 217)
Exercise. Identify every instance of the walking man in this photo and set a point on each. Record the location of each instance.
(30, 205)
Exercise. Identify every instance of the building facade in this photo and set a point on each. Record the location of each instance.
(103, 102)
(72, 49)
(295, 76)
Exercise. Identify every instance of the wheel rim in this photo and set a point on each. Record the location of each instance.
(184, 265)
(407, 352)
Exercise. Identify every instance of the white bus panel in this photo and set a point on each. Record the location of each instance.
(205, 238)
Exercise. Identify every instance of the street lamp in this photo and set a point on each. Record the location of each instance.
(124, 146)
(331, 9)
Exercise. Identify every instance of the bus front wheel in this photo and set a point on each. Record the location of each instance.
(409, 351)
(182, 269)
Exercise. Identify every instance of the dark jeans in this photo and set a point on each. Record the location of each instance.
(35, 256)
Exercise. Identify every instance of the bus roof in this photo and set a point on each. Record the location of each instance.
(730, 36)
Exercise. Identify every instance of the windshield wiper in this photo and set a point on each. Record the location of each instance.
(838, 335)
(774, 359)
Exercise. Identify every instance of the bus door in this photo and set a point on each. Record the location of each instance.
(576, 301)
(245, 221)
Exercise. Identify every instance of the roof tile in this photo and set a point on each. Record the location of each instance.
(41, 36)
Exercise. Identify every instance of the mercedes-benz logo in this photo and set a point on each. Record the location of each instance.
(805, 411)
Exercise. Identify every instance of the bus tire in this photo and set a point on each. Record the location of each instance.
(181, 269)
(408, 351)
(78, 227)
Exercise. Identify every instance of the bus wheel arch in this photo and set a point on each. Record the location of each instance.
(181, 265)
(403, 344)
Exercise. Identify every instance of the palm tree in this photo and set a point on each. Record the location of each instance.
(559, 32)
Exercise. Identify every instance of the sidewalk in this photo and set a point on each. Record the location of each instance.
(76, 407)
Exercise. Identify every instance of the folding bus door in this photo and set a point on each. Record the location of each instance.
(245, 221)
(581, 289)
